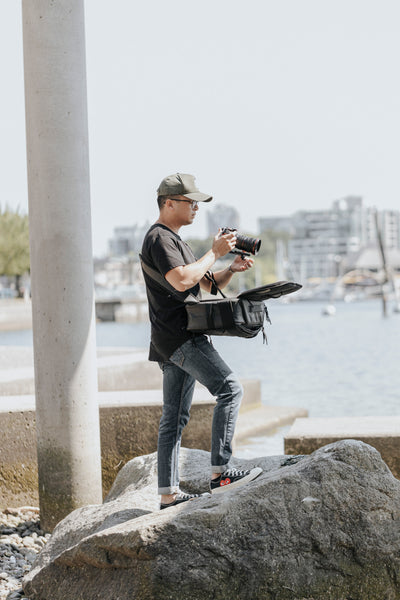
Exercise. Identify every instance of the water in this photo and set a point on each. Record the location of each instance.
(345, 365)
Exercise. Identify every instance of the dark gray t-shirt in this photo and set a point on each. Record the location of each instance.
(164, 250)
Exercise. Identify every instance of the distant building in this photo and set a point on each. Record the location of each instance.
(222, 216)
(119, 272)
(389, 224)
(127, 239)
(321, 239)
(324, 237)
(284, 224)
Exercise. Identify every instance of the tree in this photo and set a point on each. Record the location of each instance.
(14, 244)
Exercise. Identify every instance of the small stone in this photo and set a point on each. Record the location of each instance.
(34, 509)
(15, 595)
(30, 556)
(41, 542)
(310, 501)
(25, 533)
(11, 511)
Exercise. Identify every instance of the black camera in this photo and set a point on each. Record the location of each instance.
(244, 245)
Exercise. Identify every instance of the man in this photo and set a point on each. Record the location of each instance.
(182, 356)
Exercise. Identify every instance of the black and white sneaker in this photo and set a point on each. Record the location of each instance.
(233, 478)
(182, 497)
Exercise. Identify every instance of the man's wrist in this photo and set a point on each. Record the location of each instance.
(230, 269)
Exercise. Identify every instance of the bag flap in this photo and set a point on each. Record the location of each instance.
(271, 290)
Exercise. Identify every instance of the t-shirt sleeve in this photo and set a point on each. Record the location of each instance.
(166, 254)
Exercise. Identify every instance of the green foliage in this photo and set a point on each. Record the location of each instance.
(14, 242)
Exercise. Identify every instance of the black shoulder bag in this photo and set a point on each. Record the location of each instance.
(240, 316)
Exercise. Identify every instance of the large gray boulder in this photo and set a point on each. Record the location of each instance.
(321, 527)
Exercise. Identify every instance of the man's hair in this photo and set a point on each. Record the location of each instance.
(161, 200)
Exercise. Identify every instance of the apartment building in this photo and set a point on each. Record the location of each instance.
(127, 239)
(321, 239)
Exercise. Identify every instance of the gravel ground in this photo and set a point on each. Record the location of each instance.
(20, 541)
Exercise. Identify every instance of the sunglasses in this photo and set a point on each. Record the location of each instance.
(193, 203)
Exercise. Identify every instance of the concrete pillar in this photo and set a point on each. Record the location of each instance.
(61, 257)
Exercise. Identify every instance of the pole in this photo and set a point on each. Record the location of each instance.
(67, 416)
(384, 264)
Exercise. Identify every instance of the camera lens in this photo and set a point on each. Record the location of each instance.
(248, 244)
(243, 242)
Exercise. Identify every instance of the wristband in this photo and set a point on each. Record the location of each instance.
(230, 269)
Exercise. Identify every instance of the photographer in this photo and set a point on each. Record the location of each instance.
(182, 356)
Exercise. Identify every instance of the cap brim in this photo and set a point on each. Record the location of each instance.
(198, 197)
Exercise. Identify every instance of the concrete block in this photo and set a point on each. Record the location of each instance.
(383, 433)
(265, 420)
(128, 428)
(18, 460)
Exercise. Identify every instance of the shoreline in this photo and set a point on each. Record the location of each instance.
(16, 314)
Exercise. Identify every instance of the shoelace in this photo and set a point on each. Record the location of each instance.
(234, 473)
(182, 495)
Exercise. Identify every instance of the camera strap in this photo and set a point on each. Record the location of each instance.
(214, 286)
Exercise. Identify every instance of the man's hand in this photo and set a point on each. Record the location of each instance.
(242, 264)
(222, 244)
(185, 277)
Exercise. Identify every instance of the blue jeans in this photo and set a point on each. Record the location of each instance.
(195, 360)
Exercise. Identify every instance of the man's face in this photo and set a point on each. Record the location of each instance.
(185, 209)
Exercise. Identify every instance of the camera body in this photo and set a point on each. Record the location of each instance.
(244, 245)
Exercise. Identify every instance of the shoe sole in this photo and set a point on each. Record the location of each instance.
(250, 477)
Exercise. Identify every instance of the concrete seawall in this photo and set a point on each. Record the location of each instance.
(128, 425)
(381, 432)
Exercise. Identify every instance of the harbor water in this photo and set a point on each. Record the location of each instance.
(341, 365)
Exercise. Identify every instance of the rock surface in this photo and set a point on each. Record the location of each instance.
(320, 527)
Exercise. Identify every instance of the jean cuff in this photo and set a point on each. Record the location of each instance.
(168, 490)
(218, 469)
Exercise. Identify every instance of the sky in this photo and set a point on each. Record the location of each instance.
(274, 106)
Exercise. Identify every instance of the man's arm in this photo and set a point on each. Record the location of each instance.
(239, 265)
(185, 277)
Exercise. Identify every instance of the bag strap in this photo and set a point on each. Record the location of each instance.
(166, 285)
(158, 278)
(214, 286)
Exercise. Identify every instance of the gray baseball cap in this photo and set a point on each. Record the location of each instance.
(181, 184)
